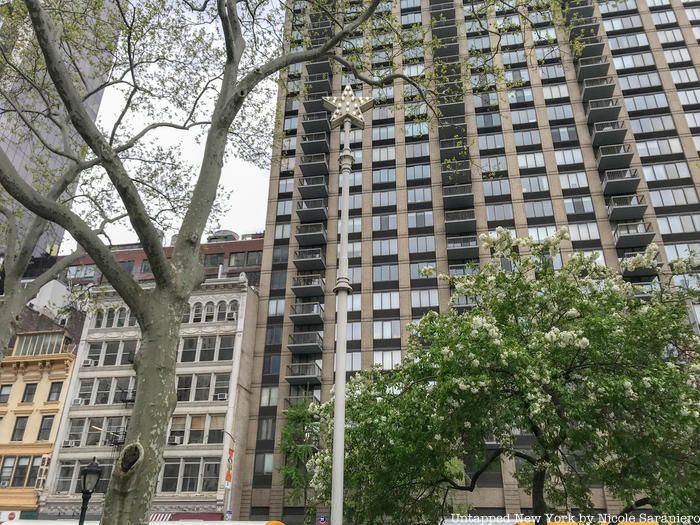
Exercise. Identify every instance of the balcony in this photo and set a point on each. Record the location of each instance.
(460, 221)
(305, 343)
(312, 210)
(597, 88)
(457, 197)
(314, 164)
(315, 143)
(318, 82)
(311, 234)
(616, 182)
(609, 133)
(319, 67)
(626, 208)
(444, 27)
(313, 103)
(647, 271)
(578, 10)
(584, 27)
(452, 109)
(309, 259)
(645, 290)
(321, 26)
(603, 110)
(303, 374)
(590, 46)
(308, 286)
(454, 148)
(448, 46)
(293, 401)
(614, 157)
(466, 247)
(313, 187)
(306, 313)
(316, 122)
(633, 234)
(458, 172)
(592, 67)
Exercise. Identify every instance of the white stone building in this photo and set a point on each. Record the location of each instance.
(214, 370)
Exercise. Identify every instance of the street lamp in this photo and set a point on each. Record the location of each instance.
(347, 110)
(89, 477)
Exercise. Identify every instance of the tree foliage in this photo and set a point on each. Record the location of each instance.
(604, 382)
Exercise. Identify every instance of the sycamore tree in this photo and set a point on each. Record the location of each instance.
(192, 66)
(604, 382)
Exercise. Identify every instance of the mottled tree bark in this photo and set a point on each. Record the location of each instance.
(136, 470)
(539, 505)
(10, 310)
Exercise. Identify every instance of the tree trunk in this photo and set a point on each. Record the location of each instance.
(138, 466)
(10, 310)
(539, 505)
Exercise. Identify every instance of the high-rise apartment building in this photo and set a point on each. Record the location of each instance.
(201, 476)
(605, 142)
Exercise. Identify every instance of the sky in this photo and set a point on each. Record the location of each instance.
(247, 183)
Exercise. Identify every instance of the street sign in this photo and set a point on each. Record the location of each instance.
(322, 520)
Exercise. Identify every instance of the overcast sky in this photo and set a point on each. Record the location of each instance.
(248, 184)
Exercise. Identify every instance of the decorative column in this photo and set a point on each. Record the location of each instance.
(346, 111)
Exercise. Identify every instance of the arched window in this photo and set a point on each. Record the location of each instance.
(99, 317)
(132, 319)
(121, 317)
(110, 318)
(221, 311)
(209, 312)
(197, 317)
(232, 311)
(186, 313)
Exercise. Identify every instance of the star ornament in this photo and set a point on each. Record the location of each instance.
(346, 106)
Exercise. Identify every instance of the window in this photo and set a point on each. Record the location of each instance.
(390, 329)
(85, 271)
(40, 344)
(494, 187)
(568, 156)
(286, 185)
(384, 175)
(420, 219)
(422, 244)
(418, 172)
(266, 428)
(527, 137)
(383, 247)
(271, 364)
(385, 272)
(688, 223)
(541, 208)
(499, 212)
(20, 427)
(530, 160)
(424, 298)
(275, 307)
(657, 147)
(212, 260)
(29, 391)
(417, 149)
(384, 153)
(55, 391)
(420, 194)
(387, 359)
(576, 205)
(254, 258)
(535, 184)
(384, 222)
(573, 180)
(417, 267)
(284, 207)
(45, 428)
(674, 196)
(263, 463)
(385, 300)
(584, 231)
(666, 171)
(268, 396)
(384, 198)
(203, 384)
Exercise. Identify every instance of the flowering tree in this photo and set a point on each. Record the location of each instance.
(605, 384)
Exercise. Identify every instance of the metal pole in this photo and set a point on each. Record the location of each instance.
(84, 507)
(342, 291)
(228, 485)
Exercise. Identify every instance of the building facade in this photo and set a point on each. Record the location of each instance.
(34, 379)
(604, 142)
(201, 477)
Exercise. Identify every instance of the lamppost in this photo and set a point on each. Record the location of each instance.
(89, 477)
(228, 489)
(347, 110)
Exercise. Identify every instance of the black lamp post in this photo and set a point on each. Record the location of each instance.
(89, 476)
